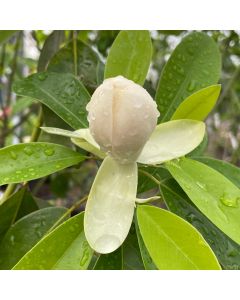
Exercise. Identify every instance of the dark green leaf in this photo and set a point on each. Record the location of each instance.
(24, 162)
(9, 210)
(6, 34)
(227, 251)
(62, 93)
(172, 242)
(216, 196)
(130, 55)
(28, 205)
(50, 47)
(25, 233)
(87, 63)
(132, 259)
(111, 261)
(193, 65)
(65, 248)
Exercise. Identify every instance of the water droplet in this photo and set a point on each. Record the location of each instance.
(6, 179)
(18, 172)
(42, 76)
(12, 239)
(201, 185)
(180, 71)
(28, 150)
(13, 155)
(49, 151)
(191, 86)
(228, 201)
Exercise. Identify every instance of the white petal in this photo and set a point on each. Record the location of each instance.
(172, 140)
(110, 206)
(82, 138)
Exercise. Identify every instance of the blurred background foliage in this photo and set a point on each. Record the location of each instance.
(26, 52)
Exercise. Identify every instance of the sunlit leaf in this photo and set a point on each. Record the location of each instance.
(172, 242)
(130, 55)
(172, 140)
(62, 93)
(25, 233)
(193, 65)
(198, 105)
(65, 248)
(228, 170)
(24, 162)
(215, 195)
(226, 250)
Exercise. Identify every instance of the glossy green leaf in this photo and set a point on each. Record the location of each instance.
(228, 170)
(130, 55)
(65, 248)
(215, 195)
(25, 233)
(194, 64)
(50, 47)
(146, 258)
(24, 162)
(171, 140)
(198, 105)
(226, 250)
(6, 34)
(9, 210)
(111, 261)
(172, 242)
(132, 259)
(62, 93)
(28, 205)
(87, 63)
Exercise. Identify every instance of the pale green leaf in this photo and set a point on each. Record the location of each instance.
(198, 105)
(171, 140)
(172, 242)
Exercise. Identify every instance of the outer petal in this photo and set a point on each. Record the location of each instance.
(172, 140)
(82, 138)
(110, 206)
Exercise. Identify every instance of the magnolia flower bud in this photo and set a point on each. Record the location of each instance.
(122, 116)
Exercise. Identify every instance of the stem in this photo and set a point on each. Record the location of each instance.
(150, 176)
(74, 35)
(69, 211)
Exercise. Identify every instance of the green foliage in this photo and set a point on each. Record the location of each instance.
(111, 261)
(215, 196)
(172, 242)
(193, 65)
(62, 93)
(198, 105)
(63, 249)
(130, 56)
(29, 161)
(25, 233)
(227, 251)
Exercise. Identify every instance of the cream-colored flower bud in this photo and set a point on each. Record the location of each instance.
(122, 116)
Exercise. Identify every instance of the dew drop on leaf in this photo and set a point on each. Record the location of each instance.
(49, 151)
(13, 155)
(27, 150)
(228, 201)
